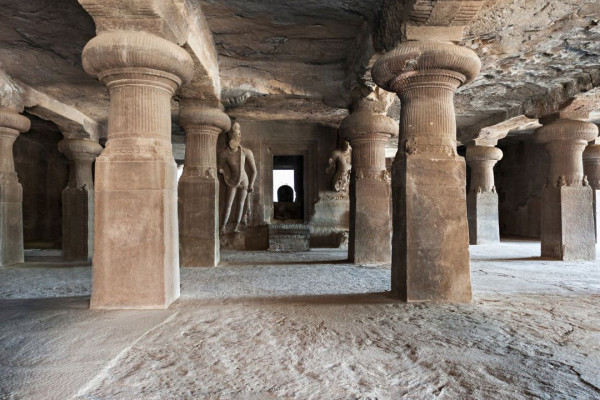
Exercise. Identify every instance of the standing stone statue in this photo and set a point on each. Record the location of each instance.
(340, 161)
(232, 162)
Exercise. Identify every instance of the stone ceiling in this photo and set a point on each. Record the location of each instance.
(297, 56)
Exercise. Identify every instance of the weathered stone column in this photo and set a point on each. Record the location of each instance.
(199, 186)
(11, 192)
(567, 214)
(369, 239)
(78, 199)
(430, 244)
(591, 168)
(136, 249)
(482, 199)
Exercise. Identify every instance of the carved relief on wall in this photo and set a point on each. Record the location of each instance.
(340, 164)
(232, 163)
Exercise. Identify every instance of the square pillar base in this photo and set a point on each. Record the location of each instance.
(430, 254)
(567, 223)
(136, 258)
(198, 222)
(370, 230)
(482, 213)
(78, 223)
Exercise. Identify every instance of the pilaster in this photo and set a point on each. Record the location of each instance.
(482, 199)
(136, 255)
(78, 199)
(11, 192)
(430, 253)
(567, 213)
(199, 186)
(369, 238)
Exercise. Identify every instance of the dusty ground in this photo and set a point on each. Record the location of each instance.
(307, 326)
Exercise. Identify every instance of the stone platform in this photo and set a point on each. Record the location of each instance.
(289, 237)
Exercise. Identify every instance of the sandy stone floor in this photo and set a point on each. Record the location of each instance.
(307, 326)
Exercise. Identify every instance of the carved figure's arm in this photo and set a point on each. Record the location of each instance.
(252, 165)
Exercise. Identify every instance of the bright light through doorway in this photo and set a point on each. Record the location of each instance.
(283, 177)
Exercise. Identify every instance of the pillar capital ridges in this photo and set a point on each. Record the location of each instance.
(12, 120)
(79, 149)
(566, 130)
(367, 125)
(437, 58)
(197, 114)
(592, 153)
(133, 52)
(483, 153)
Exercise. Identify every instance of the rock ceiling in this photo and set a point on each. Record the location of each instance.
(297, 58)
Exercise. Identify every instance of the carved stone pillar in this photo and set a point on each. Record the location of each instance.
(369, 239)
(591, 168)
(136, 254)
(11, 192)
(430, 244)
(567, 214)
(199, 186)
(78, 199)
(482, 199)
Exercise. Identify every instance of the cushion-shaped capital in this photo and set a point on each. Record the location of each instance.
(198, 115)
(12, 120)
(483, 153)
(566, 130)
(77, 149)
(365, 124)
(410, 57)
(125, 51)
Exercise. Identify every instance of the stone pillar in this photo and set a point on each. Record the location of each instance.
(430, 244)
(199, 186)
(136, 257)
(482, 199)
(591, 168)
(567, 214)
(369, 239)
(78, 199)
(11, 192)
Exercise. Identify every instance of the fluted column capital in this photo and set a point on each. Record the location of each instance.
(79, 149)
(122, 57)
(565, 140)
(420, 62)
(591, 165)
(198, 115)
(365, 125)
(483, 153)
(12, 123)
(566, 130)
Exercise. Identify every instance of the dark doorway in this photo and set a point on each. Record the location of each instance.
(288, 179)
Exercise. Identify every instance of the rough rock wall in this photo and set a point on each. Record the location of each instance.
(43, 172)
(520, 177)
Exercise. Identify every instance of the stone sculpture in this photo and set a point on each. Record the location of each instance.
(340, 162)
(232, 161)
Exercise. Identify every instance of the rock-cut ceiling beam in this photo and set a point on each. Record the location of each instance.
(180, 21)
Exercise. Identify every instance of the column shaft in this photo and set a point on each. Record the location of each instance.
(369, 237)
(430, 253)
(482, 199)
(78, 199)
(136, 258)
(11, 192)
(567, 213)
(199, 186)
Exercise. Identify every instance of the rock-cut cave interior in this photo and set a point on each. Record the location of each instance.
(299, 199)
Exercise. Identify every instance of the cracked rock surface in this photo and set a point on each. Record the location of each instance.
(310, 326)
